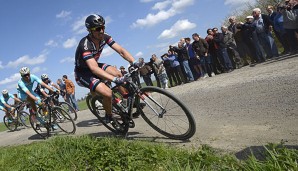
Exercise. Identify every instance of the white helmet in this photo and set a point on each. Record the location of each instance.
(4, 92)
(24, 71)
(44, 76)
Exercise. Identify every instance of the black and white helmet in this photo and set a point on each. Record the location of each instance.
(94, 20)
(24, 71)
(44, 76)
(4, 92)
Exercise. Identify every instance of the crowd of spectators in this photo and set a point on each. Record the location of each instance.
(241, 43)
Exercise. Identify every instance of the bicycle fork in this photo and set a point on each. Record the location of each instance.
(159, 114)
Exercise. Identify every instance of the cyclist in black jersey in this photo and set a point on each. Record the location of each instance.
(91, 74)
(41, 90)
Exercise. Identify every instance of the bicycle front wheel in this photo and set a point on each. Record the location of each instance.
(10, 123)
(71, 111)
(166, 114)
(63, 120)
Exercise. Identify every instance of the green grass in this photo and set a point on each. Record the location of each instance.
(82, 105)
(2, 127)
(89, 153)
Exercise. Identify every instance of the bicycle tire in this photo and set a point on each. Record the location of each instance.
(123, 121)
(41, 130)
(72, 112)
(88, 102)
(63, 120)
(180, 116)
(24, 118)
(12, 126)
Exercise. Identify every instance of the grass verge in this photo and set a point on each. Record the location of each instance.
(2, 127)
(89, 153)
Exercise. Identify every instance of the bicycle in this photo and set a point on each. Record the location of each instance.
(45, 123)
(21, 119)
(66, 106)
(164, 112)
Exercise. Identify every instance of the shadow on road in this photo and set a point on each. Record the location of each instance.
(281, 58)
(258, 152)
(35, 137)
(89, 123)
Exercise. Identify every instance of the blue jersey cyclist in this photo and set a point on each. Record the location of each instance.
(3, 102)
(91, 74)
(25, 87)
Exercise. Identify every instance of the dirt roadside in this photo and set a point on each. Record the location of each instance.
(248, 107)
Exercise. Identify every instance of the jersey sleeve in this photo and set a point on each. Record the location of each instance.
(109, 40)
(35, 78)
(11, 95)
(22, 86)
(2, 100)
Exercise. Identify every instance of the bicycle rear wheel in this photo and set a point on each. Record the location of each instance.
(71, 111)
(24, 118)
(122, 120)
(166, 114)
(88, 102)
(63, 120)
(10, 124)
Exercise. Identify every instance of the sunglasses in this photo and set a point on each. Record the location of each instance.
(98, 28)
(45, 79)
(26, 75)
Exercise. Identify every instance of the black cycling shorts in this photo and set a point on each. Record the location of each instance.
(86, 78)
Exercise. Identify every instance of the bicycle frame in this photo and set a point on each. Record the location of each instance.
(134, 90)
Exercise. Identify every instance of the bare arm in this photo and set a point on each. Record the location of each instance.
(123, 52)
(31, 95)
(46, 86)
(17, 99)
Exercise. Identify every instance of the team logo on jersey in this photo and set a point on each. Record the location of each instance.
(85, 45)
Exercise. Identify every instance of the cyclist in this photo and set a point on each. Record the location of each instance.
(25, 86)
(40, 90)
(91, 74)
(5, 106)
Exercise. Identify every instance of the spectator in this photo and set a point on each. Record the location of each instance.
(290, 22)
(183, 60)
(222, 50)
(229, 41)
(213, 48)
(160, 71)
(242, 49)
(154, 73)
(62, 89)
(280, 31)
(145, 72)
(169, 71)
(172, 57)
(201, 48)
(194, 62)
(251, 40)
(263, 30)
(122, 70)
(70, 92)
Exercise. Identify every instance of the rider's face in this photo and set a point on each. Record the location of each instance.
(98, 32)
(26, 77)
